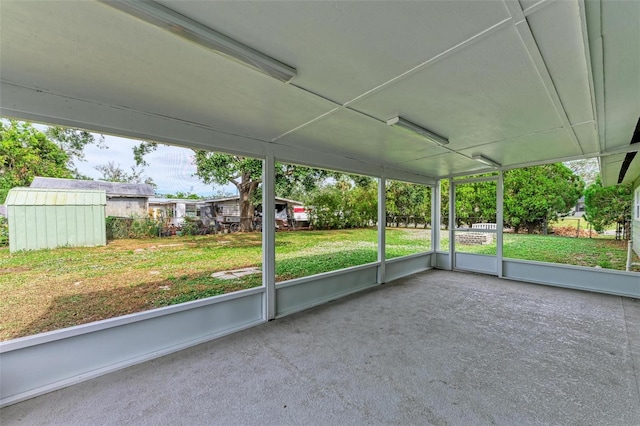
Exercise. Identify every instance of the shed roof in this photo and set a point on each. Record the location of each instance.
(57, 197)
(111, 188)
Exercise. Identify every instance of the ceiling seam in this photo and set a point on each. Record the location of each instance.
(536, 7)
(452, 50)
(531, 46)
(589, 65)
(442, 55)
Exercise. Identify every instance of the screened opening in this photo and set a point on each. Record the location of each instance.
(167, 241)
(444, 216)
(325, 221)
(561, 213)
(408, 221)
(475, 217)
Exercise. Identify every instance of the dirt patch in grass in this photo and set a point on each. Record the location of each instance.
(14, 270)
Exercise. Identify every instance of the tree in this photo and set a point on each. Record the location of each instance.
(344, 203)
(112, 172)
(292, 181)
(182, 196)
(141, 150)
(73, 143)
(475, 203)
(587, 169)
(26, 152)
(607, 205)
(535, 195)
(408, 199)
(245, 173)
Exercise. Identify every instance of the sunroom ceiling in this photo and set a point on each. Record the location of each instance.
(505, 79)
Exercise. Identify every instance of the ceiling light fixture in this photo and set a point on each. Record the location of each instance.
(414, 128)
(167, 19)
(484, 160)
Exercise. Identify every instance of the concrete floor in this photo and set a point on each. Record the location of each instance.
(435, 348)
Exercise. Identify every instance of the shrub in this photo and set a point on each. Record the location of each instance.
(129, 227)
(190, 226)
(4, 231)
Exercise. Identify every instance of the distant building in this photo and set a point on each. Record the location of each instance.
(174, 210)
(123, 199)
(579, 208)
(218, 210)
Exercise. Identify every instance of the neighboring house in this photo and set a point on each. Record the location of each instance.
(578, 210)
(227, 210)
(174, 210)
(220, 210)
(123, 199)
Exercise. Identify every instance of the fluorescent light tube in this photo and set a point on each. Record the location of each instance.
(484, 160)
(414, 128)
(167, 19)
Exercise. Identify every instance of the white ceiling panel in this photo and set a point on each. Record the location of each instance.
(468, 98)
(444, 164)
(364, 138)
(610, 168)
(587, 134)
(508, 88)
(621, 43)
(343, 49)
(526, 149)
(558, 33)
(112, 58)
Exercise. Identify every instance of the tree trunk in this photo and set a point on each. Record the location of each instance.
(246, 188)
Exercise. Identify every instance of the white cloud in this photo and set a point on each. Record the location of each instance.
(170, 167)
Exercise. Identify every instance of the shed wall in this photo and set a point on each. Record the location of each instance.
(39, 226)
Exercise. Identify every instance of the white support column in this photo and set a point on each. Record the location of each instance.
(499, 220)
(269, 236)
(452, 220)
(436, 202)
(382, 225)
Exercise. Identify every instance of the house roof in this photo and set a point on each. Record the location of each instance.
(159, 200)
(236, 198)
(112, 189)
(55, 197)
(518, 82)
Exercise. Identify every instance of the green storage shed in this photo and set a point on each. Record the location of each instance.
(43, 218)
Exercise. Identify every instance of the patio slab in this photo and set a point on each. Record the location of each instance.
(435, 348)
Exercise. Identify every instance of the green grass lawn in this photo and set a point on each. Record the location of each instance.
(603, 252)
(50, 289)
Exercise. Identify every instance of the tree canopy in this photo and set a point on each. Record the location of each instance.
(535, 195)
(26, 152)
(244, 173)
(112, 172)
(73, 142)
(607, 205)
(408, 199)
(291, 181)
